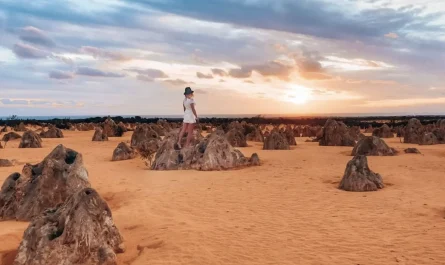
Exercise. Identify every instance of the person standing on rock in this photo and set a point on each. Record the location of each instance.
(190, 117)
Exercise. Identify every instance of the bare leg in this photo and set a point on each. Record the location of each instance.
(181, 133)
(190, 133)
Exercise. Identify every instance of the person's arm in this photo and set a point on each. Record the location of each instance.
(183, 107)
(193, 109)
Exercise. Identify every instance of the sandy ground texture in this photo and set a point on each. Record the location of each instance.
(287, 211)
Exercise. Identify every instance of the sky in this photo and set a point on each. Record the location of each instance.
(135, 57)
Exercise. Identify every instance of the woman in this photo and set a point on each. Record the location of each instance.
(190, 117)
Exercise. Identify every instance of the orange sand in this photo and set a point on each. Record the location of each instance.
(288, 211)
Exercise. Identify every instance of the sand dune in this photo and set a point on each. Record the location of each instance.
(287, 211)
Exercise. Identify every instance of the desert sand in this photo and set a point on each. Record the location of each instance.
(287, 211)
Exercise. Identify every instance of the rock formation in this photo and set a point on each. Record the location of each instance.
(44, 185)
(372, 146)
(288, 133)
(123, 152)
(412, 150)
(358, 176)
(275, 141)
(20, 128)
(255, 136)
(383, 132)
(30, 139)
(52, 132)
(236, 138)
(336, 134)
(11, 136)
(111, 129)
(428, 138)
(143, 132)
(99, 135)
(211, 153)
(79, 231)
(369, 129)
(414, 132)
(7, 162)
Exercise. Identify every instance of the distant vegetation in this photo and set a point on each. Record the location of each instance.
(363, 122)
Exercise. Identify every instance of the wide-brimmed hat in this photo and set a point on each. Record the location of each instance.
(188, 91)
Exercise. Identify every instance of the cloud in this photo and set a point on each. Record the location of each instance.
(392, 103)
(7, 101)
(100, 53)
(36, 36)
(240, 73)
(273, 68)
(26, 51)
(391, 35)
(219, 72)
(149, 72)
(177, 82)
(204, 76)
(57, 74)
(87, 71)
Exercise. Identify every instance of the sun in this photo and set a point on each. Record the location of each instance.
(298, 94)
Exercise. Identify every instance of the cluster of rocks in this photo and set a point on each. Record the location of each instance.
(383, 132)
(416, 133)
(337, 134)
(69, 222)
(213, 152)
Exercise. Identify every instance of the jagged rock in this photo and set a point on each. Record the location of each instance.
(336, 134)
(369, 129)
(11, 136)
(20, 128)
(165, 126)
(52, 132)
(355, 133)
(111, 129)
(255, 136)
(7, 163)
(99, 135)
(211, 153)
(158, 129)
(123, 152)
(383, 132)
(4, 129)
(80, 231)
(358, 176)
(414, 132)
(275, 141)
(255, 160)
(122, 127)
(289, 135)
(298, 130)
(46, 184)
(30, 139)
(8, 201)
(412, 150)
(373, 146)
(143, 133)
(236, 138)
(428, 139)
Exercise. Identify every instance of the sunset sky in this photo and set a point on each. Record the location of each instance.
(135, 57)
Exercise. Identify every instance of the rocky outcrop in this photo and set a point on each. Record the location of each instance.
(79, 231)
(30, 139)
(289, 135)
(414, 132)
(99, 135)
(383, 132)
(336, 134)
(123, 152)
(276, 141)
(7, 162)
(236, 138)
(142, 133)
(255, 136)
(44, 185)
(20, 128)
(358, 176)
(412, 150)
(211, 153)
(11, 136)
(52, 132)
(111, 129)
(428, 138)
(373, 146)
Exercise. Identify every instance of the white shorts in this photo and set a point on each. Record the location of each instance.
(189, 118)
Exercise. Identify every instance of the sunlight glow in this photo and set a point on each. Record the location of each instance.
(298, 95)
